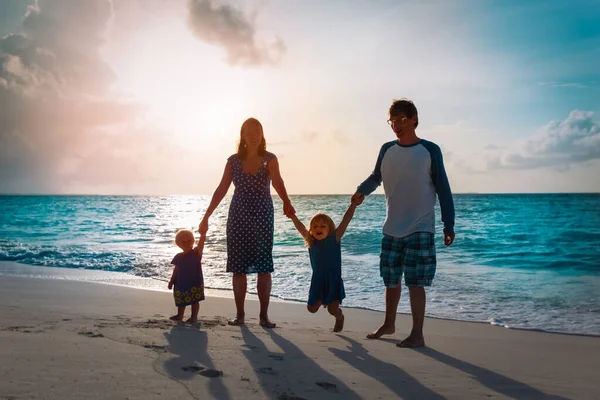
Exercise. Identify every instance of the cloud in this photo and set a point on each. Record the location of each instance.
(227, 27)
(563, 84)
(59, 120)
(334, 137)
(558, 144)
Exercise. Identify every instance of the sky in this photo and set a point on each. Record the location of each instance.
(148, 96)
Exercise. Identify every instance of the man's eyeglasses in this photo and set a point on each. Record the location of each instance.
(391, 122)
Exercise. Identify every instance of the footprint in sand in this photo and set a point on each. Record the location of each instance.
(330, 387)
(289, 397)
(24, 329)
(91, 334)
(237, 337)
(160, 349)
(276, 357)
(249, 346)
(207, 372)
(266, 371)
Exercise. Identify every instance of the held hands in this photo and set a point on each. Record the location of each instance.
(357, 198)
(288, 209)
(203, 227)
(448, 238)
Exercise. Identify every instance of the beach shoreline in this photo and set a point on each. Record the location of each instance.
(123, 279)
(66, 339)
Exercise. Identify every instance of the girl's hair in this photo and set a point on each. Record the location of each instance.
(183, 232)
(241, 149)
(309, 240)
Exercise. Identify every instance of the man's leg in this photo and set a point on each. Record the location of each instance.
(392, 298)
(419, 273)
(417, 308)
(391, 270)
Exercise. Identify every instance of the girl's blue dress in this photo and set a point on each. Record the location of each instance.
(326, 284)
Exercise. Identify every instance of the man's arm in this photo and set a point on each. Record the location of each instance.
(444, 193)
(375, 179)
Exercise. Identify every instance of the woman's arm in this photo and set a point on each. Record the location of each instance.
(279, 187)
(218, 195)
(341, 229)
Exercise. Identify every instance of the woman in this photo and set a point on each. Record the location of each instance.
(250, 219)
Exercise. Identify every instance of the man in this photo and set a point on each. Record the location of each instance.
(412, 172)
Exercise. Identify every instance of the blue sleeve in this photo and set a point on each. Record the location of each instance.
(442, 186)
(176, 259)
(374, 180)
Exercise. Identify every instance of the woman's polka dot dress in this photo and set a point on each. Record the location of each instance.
(250, 221)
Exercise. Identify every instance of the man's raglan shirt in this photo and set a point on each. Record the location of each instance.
(412, 176)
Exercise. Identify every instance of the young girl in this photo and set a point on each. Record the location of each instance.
(323, 242)
(187, 275)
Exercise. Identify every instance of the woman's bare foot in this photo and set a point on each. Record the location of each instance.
(192, 320)
(176, 318)
(237, 321)
(265, 323)
(412, 341)
(383, 330)
(339, 323)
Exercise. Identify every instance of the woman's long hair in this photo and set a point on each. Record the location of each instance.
(241, 149)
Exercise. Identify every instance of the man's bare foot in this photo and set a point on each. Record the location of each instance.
(265, 323)
(339, 323)
(237, 321)
(412, 341)
(383, 330)
(191, 320)
(176, 318)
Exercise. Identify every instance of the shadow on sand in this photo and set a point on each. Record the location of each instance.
(396, 379)
(493, 380)
(190, 346)
(306, 372)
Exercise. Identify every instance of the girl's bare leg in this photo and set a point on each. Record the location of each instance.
(335, 310)
(179, 316)
(314, 308)
(195, 309)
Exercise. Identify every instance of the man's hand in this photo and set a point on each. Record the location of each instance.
(357, 198)
(448, 238)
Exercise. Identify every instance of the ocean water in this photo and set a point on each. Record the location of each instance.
(521, 261)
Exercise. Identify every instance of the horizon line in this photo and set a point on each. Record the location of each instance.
(273, 195)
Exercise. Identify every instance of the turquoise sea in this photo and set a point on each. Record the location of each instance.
(527, 261)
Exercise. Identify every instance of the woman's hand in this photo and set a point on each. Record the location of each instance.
(288, 209)
(203, 227)
(170, 285)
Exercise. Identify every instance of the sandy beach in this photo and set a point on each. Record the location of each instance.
(64, 339)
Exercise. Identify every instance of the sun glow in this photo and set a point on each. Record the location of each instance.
(184, 86)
